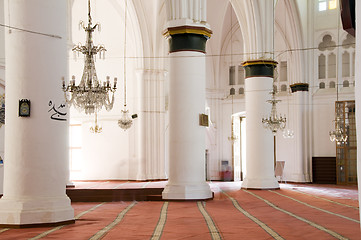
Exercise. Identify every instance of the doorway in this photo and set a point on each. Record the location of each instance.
(239, 146)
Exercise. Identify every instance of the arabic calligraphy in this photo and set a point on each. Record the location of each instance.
(58, 113)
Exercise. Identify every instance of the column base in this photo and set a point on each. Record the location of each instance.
(187, 192)
(260, 183)
(35, 211)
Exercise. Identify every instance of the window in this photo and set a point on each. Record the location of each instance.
(321, 66)
(232, 75)
(324, 5)
(331, 66)
(241, 91)
(284, 88)
(346, 83)
(232, 91)
(322, 85)
(345, 64)
(283, 69)
(332, 84)
(75, 147)
(332, 4)
(353, 64)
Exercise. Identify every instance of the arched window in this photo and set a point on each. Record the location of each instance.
(232, 75)
(345, 64)
(241, 90)
(346, 83)
(283, 72)
(232, 91)
(284, 88)
(321, 66)
(332, 84)
(331, 66)
(353, 64)
(322, 85)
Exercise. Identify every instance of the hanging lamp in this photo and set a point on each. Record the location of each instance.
(338, 134)
(287, 132)
(233, 138)
(91, 95)
(274, 122)
(125, 121)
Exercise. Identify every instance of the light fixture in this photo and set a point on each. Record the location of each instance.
(274, 122)
(288, 133)
(338, 135)
(91, 95)
(233, 138)
(125, 121)
(96, 128)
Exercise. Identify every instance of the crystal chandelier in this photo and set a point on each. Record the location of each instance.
(274, 122)
(91, 94)
(125, 121)
(96, 128)
(338, 135)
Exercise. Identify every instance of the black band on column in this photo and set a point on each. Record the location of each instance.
(299, 87)
(187, 38)
(259, 68)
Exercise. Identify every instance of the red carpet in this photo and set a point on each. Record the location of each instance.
(296, 211)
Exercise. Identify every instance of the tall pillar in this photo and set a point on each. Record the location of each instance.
(187, 93)
(36, 147)
(300, 172)
(149, 135)
(260, 146)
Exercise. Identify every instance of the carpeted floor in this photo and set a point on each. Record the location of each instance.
(296, 211)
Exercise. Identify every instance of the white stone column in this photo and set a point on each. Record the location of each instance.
(187, 33)
(300, 171)
(187, 138)
(149, 147)
(36, 147)
(260, 146)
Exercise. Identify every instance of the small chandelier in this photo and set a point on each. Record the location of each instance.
(125, 121)
(338, 135)
(288, 133)
(233, 138)
(91, 94)
(96, 128)
(274, 122)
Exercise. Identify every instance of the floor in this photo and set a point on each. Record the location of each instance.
(296, 211)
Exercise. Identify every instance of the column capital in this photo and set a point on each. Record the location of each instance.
(259, 68)
(187, 38)
(296, 87)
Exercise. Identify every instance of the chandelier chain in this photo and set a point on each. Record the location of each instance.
(125, 52)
